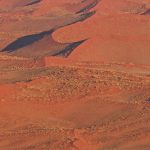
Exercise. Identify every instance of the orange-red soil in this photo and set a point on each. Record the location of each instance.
(74, 75)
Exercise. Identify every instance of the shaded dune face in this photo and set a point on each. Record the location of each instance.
(17, 3)
(118, 32)
(41, 44)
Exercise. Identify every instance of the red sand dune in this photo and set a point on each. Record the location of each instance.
(116, 33)
(74, 75)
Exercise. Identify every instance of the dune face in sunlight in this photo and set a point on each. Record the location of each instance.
(33, 22)
(118, 32)
(74, 75)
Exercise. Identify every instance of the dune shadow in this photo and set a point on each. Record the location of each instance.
(25, 41)
(69, 49)
(33, 2)
(147, 12)
(88, 7)
(148, 99)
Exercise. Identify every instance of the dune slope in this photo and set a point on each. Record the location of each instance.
(74, 75)
(118, 32)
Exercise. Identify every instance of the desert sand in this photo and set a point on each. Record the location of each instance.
(74, 75)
